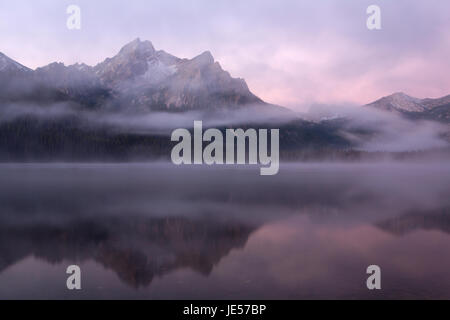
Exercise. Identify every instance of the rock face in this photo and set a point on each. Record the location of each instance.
(429, 109)
(399, 102)
(87, 113)
(64, 113)
(137, 78)
(14, 79)
(76, 83)
(7, 65)
(142, 78)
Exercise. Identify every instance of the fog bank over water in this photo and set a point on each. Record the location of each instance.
(167, 230)
(351, 127)
(163, 188)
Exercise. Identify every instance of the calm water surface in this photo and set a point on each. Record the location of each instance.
(163, 232)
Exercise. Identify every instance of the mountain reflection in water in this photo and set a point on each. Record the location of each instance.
(169, 232)
(136, 249)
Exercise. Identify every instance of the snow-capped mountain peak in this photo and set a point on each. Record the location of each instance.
(138, 47)
(139, 77)
(399, 102)
(132, 61)
(161, 79)
(430, 109)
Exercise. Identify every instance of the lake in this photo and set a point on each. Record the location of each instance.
(156, 231)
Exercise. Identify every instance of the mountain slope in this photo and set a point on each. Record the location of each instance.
(106, 112)
(399, 102)
(19, 84)
(143, 78)
(414, 108)
(77, 83)
(9, 65)
(138, 78)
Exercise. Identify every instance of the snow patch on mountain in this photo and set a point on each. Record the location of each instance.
(399, 102)
(157, 71)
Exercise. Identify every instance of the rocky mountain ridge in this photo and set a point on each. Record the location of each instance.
(429, 109)
(138, 77)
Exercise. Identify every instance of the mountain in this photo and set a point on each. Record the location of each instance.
(23, 85)
(14, 78)
(399, 102)
(415, 108)
(107, 112)
(8, 65)
(434, 103)
(143, 78)
(64, 112)
(138, 78)
(76, 83)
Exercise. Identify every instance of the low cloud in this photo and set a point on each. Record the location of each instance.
(390, 132)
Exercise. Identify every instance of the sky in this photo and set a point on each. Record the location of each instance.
(294, 53)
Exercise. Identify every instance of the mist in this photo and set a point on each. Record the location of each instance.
(364, 128)
(149, 122)
(147, 225)
(392, 132)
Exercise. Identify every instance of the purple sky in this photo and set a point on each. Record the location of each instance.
(291, 52)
